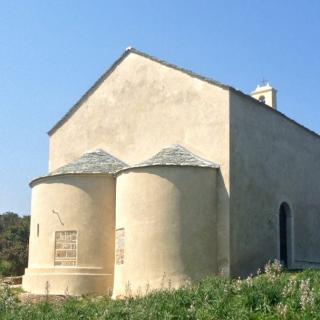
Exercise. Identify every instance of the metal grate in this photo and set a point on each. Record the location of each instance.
(65, 253)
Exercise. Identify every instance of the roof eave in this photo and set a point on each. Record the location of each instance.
(214, 166)
(265, 106)
(49, 176)
(88, 93)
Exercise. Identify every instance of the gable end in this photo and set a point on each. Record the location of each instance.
(113, 67)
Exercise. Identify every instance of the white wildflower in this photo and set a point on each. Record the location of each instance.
(307, 296)
(282, 310)
(237, 285)
(273, 270)
(290, 288)
(249, 281)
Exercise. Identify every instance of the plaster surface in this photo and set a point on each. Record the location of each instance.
(144, 106)
(81, 202)
(168, 214)
(272, 160)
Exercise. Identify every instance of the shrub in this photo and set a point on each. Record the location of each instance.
(14, 238)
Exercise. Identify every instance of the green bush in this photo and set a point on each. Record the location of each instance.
(5, 268)
(14, 238)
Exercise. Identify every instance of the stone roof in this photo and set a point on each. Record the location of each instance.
(97, 161)
(175, 155)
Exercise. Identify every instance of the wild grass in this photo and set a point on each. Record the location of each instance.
(272, 294)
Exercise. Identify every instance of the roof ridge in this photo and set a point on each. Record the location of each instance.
(176, 67)
(105, 75)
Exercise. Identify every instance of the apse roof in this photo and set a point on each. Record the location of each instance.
(175, 155)
(97, 161)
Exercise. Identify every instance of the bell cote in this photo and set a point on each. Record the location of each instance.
(266, 94)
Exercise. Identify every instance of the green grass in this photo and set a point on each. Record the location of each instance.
(272, 295)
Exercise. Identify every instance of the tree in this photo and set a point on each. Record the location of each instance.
(14, 239)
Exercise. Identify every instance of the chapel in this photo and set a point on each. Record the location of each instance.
(160, 177)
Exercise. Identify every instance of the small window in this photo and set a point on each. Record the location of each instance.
(120, 246)
(65, 253)
(262, 99)
(38, 230)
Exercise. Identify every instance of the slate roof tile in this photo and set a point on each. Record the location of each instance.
(175, 155)
(97, 161)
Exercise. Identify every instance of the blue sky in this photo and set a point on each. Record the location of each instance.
(52, 51)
